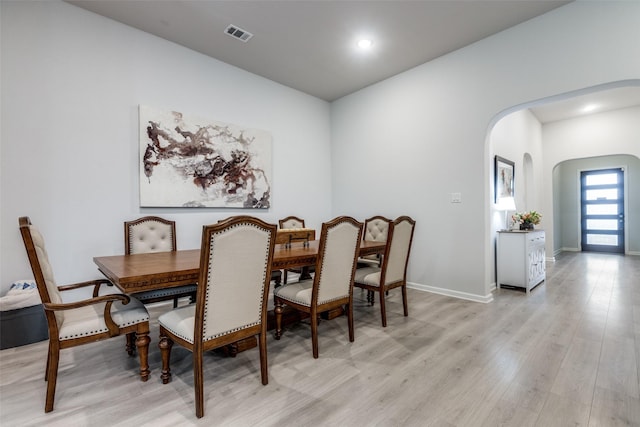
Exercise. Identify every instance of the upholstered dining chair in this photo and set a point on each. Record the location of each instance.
(393, 272)
(376, 229)
(155, 234)
(291, 223)
(332, 285)
(82, 322)
(231, 303)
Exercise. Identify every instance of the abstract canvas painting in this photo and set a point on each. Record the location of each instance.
(187, 161)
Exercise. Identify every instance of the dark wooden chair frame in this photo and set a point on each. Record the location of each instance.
(167, 339)
(290, 217)
(315, 308)
(370, 294)
(293, 270)
(138, 332)
(364, 231)
(383, 289)
(156, 296)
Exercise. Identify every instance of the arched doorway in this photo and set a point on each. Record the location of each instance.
(536, 155)
(569, 201)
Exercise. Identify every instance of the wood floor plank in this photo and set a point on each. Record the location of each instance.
(576, 378)
(560, 411)
(618, 366)
(506, 413)
(613, 409)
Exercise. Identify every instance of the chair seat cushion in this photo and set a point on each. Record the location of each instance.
(368, 276)
(180, 321)
(368, 262)
(89, 320)
(299, 292)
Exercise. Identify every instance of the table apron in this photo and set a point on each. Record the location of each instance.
(141, 285)
(298, 262)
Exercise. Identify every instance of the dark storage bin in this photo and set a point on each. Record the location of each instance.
(22, 326)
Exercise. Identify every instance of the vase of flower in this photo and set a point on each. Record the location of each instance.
(526, 220)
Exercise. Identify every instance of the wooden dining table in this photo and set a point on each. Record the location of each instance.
(158, 270)
(150, 271)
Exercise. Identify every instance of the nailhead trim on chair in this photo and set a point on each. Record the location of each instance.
(133, 321)
(205, 338)
(259, 314)
(302, 302)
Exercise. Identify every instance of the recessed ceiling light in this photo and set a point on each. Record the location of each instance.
(365, 44)
(589, 108)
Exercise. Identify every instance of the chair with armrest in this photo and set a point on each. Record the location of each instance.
(155, 234)
(393, 272)
(231, 303)
(332, 285)
(292, 223)
(82, 322)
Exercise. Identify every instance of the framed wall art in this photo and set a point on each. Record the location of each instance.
(187, 161)
(504, 181)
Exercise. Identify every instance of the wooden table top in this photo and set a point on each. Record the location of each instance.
(143, 272)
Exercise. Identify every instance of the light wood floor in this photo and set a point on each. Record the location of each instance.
(567, 355)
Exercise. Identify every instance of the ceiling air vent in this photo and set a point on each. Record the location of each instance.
(238, 33)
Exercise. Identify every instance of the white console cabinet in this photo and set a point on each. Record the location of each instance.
(521, 259)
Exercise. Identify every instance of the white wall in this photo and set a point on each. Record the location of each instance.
(517, 137)
(513, 137)
(404, 145)
(71, 85)
(593, 139)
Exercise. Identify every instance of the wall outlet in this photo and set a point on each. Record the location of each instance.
(456, 198)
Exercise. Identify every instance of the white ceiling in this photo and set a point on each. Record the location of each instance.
(310, 45)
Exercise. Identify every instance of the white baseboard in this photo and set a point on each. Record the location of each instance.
(451, 293)
(579, 250)
(479, 298)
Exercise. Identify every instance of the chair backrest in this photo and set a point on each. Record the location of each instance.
(41, 267)
(337, 259)
(235, 272)
(291, 222)
(376, 229)
(400, 237)
(149, 234)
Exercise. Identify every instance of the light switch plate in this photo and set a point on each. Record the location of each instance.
(456, 198)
